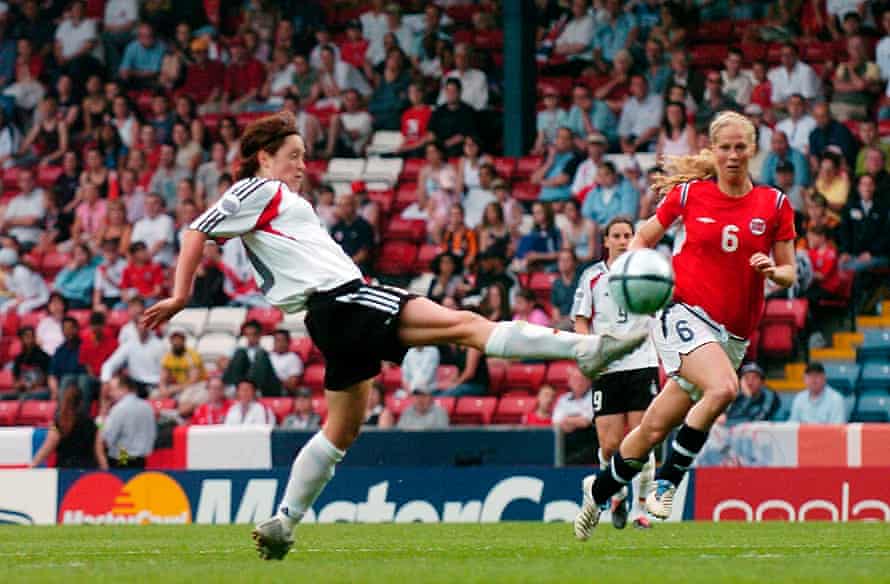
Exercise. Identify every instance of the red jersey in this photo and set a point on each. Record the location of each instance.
(414, 122)
(243, 77)
(824, 261)
(353, 52)
(719, 235)
(533, 419)
(94, 352)
(209, 413)
(145, 279)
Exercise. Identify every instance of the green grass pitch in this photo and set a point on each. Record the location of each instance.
(405, 554)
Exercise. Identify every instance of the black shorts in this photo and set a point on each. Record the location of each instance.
(624, 391)
(356, 326)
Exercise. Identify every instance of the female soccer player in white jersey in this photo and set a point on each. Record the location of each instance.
(730, 230)
(624, 390)
(299, 266)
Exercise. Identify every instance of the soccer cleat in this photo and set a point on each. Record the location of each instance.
(642, 522)
(661, 500)
(620, 510)
(597, 351)
(273, 539)
(589, 515)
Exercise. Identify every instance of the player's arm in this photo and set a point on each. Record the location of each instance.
(190, 256)
(649, 234)
(781, 268)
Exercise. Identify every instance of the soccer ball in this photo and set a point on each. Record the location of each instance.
(641, 281)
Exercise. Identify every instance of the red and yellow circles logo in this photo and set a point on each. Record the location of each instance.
(103, 498)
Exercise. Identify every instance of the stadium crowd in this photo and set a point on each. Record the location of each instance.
(119, 125)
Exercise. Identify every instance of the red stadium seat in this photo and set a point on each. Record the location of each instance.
(709, 56)
(541, 283)
(52, 263)
(392, 378)
(525, 376)
(302, 346)
(396, 258)
(505, 167)
(7, 381)
(753, 52)
(411, 169)
(497, 374)
(162, 404)
(780, 309)
(884, 128)
(315, 169)
(313, 377)
(464, 36)
(406, 194)
(425, 256)
(10, 177)
(777, 338)
(526, 166)
(117, 319)
(267, 317)
(82, 316)
(446, 374)
(526, 191)
(36, 413)
(406, 229)
(447, 404)
(512, 408)
(474, 411)
(397, 405)
(280, 406)
(8, 412)
(31, 318)
(563, 85)
(384, 199)
(558, 374)
(489, 40)
(47, 175)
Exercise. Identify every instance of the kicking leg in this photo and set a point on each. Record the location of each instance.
(423, 322)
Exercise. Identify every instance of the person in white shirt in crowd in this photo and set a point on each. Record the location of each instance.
(573, 416)
(764, 132)
(49, 329)
(247, 410)
(882, 51)
(208, 174)
(576, 38)
(129, 431)
(141, 356)
(27, 91)
(156, 230)
(76, 35)
(167, 177)
(107, 287)
(350, 129)
(419, 368)
(798, 125)
(585, 174)
(474, 83)
(22, 290)
(304, 417)
(374, 22)
(793, 76)
(25, 211)
(640, 118)
(130, 331)
(336, 76)
(118, 25)
(376, 51)
(423, 413)
(736, 85)
(287, 365)
(323, 39)
(819, 403)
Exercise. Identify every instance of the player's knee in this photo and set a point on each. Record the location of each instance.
(724, 390)
(465, 324)
(609, 447)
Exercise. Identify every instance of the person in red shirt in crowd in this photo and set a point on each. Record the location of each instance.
(96, 345)
(414, 122)
(762, 94)
(142, 277)
(204, 79)
(214, 410)
(542, 415)
(353, 49)
(244, 77)
(827, 283)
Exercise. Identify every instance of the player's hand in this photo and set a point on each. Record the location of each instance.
(162, 312)
(763, 264)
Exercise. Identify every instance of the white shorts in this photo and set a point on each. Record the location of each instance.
(680, 329)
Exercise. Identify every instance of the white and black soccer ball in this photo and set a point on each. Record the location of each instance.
(641, 281)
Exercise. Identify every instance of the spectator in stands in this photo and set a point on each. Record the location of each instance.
(414, 122)
(168, 176)
(494, 233)
(448, 281)
(350, 130)
(473, 82)
(214, 410)
(182, 376)
(141, 64)
(305, 84)
(458, 239)
(247, 410)
(527, 308)
(30, 369)
(135, 308)
(480, 195)
(868, 135)
(784, 177)
(352, 232)
(683, 76)
(142, 277)
(115, 228)
(876, 167)
(128, 432)
(782, 153)
(617, 30)
(65, 367)
(49, 329)
(309, 125)
(204, 78)
(798, 125)
(23, 289)
(657, 72)
(89, 214)
(563, 292)
(612, 196)
(819, 403)
(304, 416)
(736, 85)
(640, 118)
(419, 367)
(555, 173)
(587, 117)
(76, 41)
(252, 362)
(336, 76)
(676, 136)
(542, 415)
(452, 120)
(75, 281)
(24, 213)
(714, 101)
(585, 175)
(512, 209)
(549, 120)
(864, 236)
(826, 283)
(793, 76)
(37, 27)
(395, 26)
(47, 140)
(817, 213)
(539, 248)
(279, 82)
(856, 83)
(156, 230)
(243, 78)
(576, 39)
(755, 402)
(882, 50)
(27, 92)
(141, 356)
(423, 413)
(828, 132)
(287, 365)
(188, 152)
(578, 233)
(354, 47)
(376, 413)
(161, 117)
(96, 346)
(71, 436)
(390, 94)
(832, 181)
(374, 21)
(573, 416)
(209, 173)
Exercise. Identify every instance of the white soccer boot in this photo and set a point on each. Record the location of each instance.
(589, 515)
(596, 351)
(273, 539)
(660, 501)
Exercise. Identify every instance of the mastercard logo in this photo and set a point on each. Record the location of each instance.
(103, 498)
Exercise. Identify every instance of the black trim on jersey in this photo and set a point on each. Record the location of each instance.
(210, 218)
(684, 192)
(215, 217)
(246, 193)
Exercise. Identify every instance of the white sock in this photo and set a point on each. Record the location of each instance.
(646, 477)
(604, 462)
(520, 340)
(311, 471)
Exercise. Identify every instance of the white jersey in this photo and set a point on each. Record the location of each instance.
(593, 300)
(290, 251)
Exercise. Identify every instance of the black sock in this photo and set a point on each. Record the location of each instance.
(619, 473)
(684, 448)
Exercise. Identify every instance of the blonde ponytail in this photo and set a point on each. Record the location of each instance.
(701, 166)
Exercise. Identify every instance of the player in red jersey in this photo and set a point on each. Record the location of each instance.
(732, 235)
